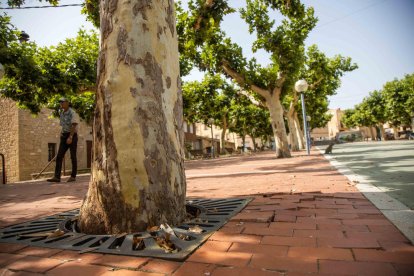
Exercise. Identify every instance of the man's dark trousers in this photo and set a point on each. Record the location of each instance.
(63, 147)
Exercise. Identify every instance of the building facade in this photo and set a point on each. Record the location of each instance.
(333, 127)
(29, 142)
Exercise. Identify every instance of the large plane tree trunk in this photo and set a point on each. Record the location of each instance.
(138, 176)
(278, 124)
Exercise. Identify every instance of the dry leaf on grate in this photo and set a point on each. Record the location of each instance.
(195, 229)
(138, 243)
(165, 243)
(56, 233)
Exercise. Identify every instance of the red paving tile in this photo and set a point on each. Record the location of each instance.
(67, 255)
(77, 268)
(123, 272)
(220, 246)
(309, 253)
(348, 242)
(380, 236)
(11, 247)
(190, 268)
(262, 231)
(161, 266)
(270, 250)
(356, 268)
(366, 222)
(245, 271)
(373, 255)
(289, 241)
(120, 261)
(39, 251)
(221, 258)
(34, 264)
(284, 218)
(318, 233)
(7, 272)
(293, 226)
(405, 269)
(6, 258)
(325, 228)
(252, 216)
(225, 237)
(283, 263)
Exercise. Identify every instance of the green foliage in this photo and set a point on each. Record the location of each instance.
(348, 118)
(399, 100)
(210, 98)
(35, 75)
(285, 43)
(393, 104)
(324, 77)
(18, 3)
(91, 10)
(249, 119)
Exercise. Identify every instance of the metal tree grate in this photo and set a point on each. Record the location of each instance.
(214, 213)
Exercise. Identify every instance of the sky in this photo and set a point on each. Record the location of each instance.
(377, 34)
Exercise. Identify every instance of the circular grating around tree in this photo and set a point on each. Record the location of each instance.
(171, 243)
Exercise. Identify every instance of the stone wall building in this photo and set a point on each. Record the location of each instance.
(333, 127)
(29, 142)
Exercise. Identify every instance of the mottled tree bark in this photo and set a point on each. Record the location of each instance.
(299, 132)
(272, 99)
(278, 124)
(138, 176)
(294, 143)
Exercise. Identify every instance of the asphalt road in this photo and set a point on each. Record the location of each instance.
(389, 165)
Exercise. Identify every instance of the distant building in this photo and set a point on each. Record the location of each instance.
(332, 128)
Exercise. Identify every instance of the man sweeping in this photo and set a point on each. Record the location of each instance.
(69, 121)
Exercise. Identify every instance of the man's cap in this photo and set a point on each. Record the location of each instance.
(63, 99)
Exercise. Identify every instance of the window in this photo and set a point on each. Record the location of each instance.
(51, 151)
(205, 127)
(185, 126)
(197, 145)
(190, 128)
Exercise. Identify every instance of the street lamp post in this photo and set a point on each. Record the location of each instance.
(301, 86)
(308, 119)
(210, 122)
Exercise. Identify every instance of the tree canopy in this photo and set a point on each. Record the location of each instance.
(37, 76)
(393, 104)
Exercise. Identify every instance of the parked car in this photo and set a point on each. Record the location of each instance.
(411, 136)
(389, 136)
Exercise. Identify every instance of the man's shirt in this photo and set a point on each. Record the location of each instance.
(67, 119)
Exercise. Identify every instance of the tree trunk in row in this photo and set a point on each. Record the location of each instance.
(223, 136)
(254, 143)
(381, 126)
(138, 176)
(278, 124)
(298, 130)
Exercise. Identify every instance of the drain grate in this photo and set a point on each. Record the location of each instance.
(214, 213)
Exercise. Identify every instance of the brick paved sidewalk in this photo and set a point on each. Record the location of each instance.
(305, 219)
